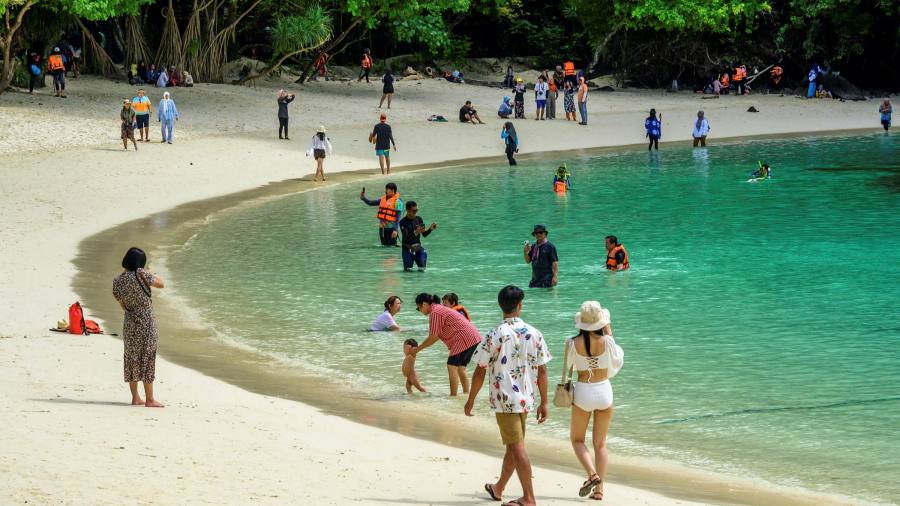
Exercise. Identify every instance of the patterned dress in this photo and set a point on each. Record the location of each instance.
(139, 333)
(569, 100)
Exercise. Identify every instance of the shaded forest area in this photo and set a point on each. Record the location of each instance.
(642, 42)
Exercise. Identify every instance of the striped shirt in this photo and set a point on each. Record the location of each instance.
(457, 333)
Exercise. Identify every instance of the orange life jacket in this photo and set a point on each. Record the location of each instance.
(776, 73)
(569, 68)
(740, 73)
(461, 310)
(55, 62)
(725, 80)
(559, 187)
(366, 61)
(611, 263)
(387, 208)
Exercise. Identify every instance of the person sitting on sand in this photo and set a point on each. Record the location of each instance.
(506, 108)
(188, 79)
(385, 321)
(451, 300)
(127, 116)
(319, 147)
(174, 77)
(409, 367)
(162, 80)
(458, 334)
(152, 74)
(468, 114)
(596, 357)
(653, 125)
(885, 109)
(509, 78)
(132, 290)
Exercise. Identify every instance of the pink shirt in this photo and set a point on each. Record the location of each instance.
(457, 333)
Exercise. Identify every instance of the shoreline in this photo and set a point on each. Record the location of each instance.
(54, 201)
(189, 339)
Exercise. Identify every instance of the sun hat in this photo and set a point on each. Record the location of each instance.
(539, 228)
(518, 79)
(62, 325)
(126, 101)
(591, 316)
(321, 129)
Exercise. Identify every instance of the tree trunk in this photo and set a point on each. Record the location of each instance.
(330, 47)
(589, 70)
(281, 60)
(136, 48)
(6, 42)
(95, 57)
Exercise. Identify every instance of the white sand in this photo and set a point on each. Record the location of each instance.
(65, 438)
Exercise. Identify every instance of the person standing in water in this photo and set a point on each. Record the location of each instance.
(543, 259)
(413, 229)
(383, 138)
(653, 125)
(132, 290)
(389, 209)
(388, 90)
(701, 130)
(885, 109)
(365, 65)
(616, 256)
(509, 136)
(283, 100)
(385, 321)
(562, 180)
(319, 147)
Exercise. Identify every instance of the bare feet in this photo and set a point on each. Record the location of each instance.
(137, 402)
(153, 404)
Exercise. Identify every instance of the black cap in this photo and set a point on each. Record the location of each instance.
(539, 228)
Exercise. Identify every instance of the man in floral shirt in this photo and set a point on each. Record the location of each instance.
(513, 357)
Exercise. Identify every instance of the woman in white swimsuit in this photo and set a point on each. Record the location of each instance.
(596, 357)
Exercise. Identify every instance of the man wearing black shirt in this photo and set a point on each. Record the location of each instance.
(468, 114)
(543, 259)
(413, 229)
(383, 138)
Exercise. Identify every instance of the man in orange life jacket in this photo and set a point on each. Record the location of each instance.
(739, 78)
(616, 256)
(390, 207)
(57, 68)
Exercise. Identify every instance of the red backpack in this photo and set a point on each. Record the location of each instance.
(76, 319)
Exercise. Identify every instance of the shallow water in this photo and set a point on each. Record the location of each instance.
(759, 320)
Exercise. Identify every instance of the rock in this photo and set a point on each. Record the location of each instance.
(840, 87)
(410, 72)
(412, 77)
(606, 88)
(752, 109)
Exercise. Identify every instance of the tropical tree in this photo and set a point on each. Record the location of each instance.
(295, 34)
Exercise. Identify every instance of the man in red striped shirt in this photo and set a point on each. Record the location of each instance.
(457, 333)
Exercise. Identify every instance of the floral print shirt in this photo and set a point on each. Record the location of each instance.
(512, 354)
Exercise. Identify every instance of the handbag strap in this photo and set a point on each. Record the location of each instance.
(565, 374)
(142, 282)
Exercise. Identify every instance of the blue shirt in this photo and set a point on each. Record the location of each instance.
(654, 128)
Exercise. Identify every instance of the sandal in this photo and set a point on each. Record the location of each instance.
(598, 492)
(586, 487)
(489, 488)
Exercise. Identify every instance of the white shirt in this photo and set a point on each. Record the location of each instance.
(540, 91)
(384, 322)
(612, 359)
(317, 143)
(702, 130)
(512, 353)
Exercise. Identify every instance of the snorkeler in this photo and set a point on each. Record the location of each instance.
(763, 172)
(562, 181)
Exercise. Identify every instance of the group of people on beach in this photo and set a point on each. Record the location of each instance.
(136, 112)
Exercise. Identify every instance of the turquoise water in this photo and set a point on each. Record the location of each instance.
(759, 320)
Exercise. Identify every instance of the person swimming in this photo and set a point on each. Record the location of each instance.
(562, 181)
(763, 172)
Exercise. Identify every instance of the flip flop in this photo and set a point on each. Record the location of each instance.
(514, 502)
(588, 486)
(489, 488)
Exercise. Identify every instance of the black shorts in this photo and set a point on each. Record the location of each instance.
(463, 358)
(142, 120)
(318, 153)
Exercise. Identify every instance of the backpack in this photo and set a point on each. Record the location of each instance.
(35, 70)
(76, 319)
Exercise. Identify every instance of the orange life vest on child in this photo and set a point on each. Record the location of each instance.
(55, 62)
(387, 208)
(461, 310)
(559, 187)
(725, 80)
(611, 263)
(569, 68)
(366, 61)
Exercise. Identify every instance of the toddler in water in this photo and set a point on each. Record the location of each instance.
(409, 367)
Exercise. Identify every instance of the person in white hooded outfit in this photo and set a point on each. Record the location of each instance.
(319, 146)
(596, 358)
(167, 113)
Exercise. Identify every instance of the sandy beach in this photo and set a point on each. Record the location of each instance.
(70, 437)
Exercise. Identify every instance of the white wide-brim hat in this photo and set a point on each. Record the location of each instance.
(591, 316)
(321, 130)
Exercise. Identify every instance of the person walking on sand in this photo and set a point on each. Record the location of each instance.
(167, 115)
(385, 321)
(511, 138)
(57, 68)
(284, 99)
(126, 115)
(142, 110)
(513, 357)
(541, 89)
(885, 109)
(653, 126)
(458, 334)
(383, 138)
(389, 208)
(582, 100)
(365, 65)
(701, 130)
(133, 290)
(319, 147)
(543, 259)
(387, 91)
(596, 358)
(413, 229)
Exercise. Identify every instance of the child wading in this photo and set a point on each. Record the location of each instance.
(885, 109)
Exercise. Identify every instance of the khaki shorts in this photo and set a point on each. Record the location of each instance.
(512, 427)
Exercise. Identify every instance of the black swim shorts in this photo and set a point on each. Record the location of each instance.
(463, 358)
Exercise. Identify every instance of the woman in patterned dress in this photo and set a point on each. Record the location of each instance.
(131, 289)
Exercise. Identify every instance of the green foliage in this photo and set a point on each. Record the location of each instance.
(99, 10)
(419, 21)
(295, 32)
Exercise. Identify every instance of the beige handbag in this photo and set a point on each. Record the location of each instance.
(562, 397)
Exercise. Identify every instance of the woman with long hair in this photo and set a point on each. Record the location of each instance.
(319, 147)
